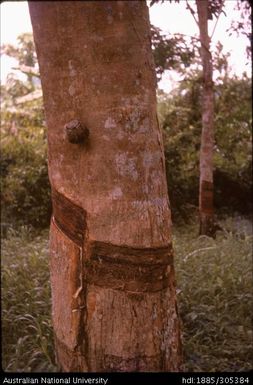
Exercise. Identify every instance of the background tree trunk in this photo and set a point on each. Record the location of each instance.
(112, 276)
(206, 210)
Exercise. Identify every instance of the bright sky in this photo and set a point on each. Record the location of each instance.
(170, 17)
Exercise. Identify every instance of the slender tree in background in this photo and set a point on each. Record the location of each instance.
(112, 276)
(205, 10)
(206, 210)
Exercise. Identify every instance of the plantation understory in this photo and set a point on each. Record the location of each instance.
(214, 286)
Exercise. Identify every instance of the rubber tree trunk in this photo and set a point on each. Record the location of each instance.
(112, 276)
(206, 209)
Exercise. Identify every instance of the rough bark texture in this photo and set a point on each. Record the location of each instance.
(206, 211)
(113, 289)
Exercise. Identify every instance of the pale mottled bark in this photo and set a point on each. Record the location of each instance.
(207, 135)
(110, 232)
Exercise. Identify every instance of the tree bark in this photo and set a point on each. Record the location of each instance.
(112, 276)
(206, 209)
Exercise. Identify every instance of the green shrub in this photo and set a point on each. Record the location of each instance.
(24, 181)
(180, 117)
(25, 187)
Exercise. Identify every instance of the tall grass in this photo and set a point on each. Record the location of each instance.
(27, 339)
(214, 283)
(214, 279)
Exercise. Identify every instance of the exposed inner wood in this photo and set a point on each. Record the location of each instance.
(70, 218)
(131, 255)
(206, 197)
(126, 277)
(113, 280)
(118, 267)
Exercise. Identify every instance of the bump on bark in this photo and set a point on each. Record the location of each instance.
(76, 132)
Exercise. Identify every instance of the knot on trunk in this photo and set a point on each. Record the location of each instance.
(76, 132)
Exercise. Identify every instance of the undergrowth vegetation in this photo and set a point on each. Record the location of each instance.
(27, 336)
(214, 282)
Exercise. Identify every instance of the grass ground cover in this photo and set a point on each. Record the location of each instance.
(214, 284)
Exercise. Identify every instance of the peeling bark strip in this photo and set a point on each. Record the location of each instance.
(70, 218)
(131, 255)
(206, 203)
(118, 267)
(125, 277)
(129, 269)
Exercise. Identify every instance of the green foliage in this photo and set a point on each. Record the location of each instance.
(244, 25)
(27, 343)
(233, 149)
(180, 117)
(214, 282)
(25, 55)
(233, 122)
(24, 52)
(25, 191)
(25, 185)
(171, 51)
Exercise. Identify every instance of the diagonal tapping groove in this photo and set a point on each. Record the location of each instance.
(69, 217)
(128, 268)
(120, 267)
